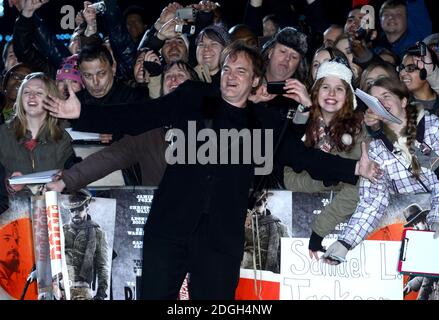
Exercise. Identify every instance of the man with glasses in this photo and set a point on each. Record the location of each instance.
(85, 250)
(413, 72)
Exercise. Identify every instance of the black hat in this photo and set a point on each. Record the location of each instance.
(77, 199)
(413, 213)
(290, 37)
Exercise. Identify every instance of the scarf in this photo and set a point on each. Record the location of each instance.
(324, 142)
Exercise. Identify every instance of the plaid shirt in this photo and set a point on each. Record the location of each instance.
(374, 198)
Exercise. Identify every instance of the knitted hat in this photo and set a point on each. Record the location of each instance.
(184, 38)
(69, 70)
(339, 70)
(220, 32)
(290, 37)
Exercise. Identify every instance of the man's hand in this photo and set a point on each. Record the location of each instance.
(367, 168)
(65, 109)
(167, 14)
(168, 29)
(105, 137)
(89, 14)
(335, 250)
(30, 6)
(261, 95)
(57, 186)
(435, 227)
(205, 6)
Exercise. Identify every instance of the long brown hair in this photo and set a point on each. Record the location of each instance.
(399, 89)
(19, 122)
(346, 120)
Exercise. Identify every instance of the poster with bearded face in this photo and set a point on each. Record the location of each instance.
(16, 251)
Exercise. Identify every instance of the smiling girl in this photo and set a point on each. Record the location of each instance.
(33, 140)
(333, 127)
(407, 153)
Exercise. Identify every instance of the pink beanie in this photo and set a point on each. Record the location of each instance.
(69, 70)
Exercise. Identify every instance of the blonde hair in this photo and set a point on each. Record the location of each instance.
(19, 122)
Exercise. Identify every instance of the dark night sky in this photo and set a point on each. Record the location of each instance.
(51, 11)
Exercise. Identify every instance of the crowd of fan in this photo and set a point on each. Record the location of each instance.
(319, 65)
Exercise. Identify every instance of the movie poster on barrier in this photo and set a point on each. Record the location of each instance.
(87, 248)
(133, 205)
(16, 251)
(370, 273)
(297, 211)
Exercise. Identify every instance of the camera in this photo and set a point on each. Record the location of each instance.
(99, 7)
(276, 87)
(185, 28)
(187, 13)
(154, 69)
(419, 50)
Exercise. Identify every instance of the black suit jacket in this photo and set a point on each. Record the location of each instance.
(220, 191)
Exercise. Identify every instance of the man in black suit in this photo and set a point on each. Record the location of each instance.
(196, 222)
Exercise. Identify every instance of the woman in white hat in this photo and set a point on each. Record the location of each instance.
(407, 153)
(333, 127)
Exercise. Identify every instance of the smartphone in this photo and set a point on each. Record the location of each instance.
(185, 28)
(187, 13)
(276, 87)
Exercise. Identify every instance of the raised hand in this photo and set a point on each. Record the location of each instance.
(167, 14)
(168, 29)
(30, 6)
(424, 62)
(65, 109)
(89, 14)
(205, 6)
(297, 91)
(261, 95)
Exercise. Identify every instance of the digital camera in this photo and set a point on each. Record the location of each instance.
(187, 13)
(418, 50)
(99, 7)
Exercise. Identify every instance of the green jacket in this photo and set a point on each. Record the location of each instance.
(342, 205)
(47, 155)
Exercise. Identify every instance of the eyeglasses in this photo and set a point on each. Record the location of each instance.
(17, 76)
(408, 68)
